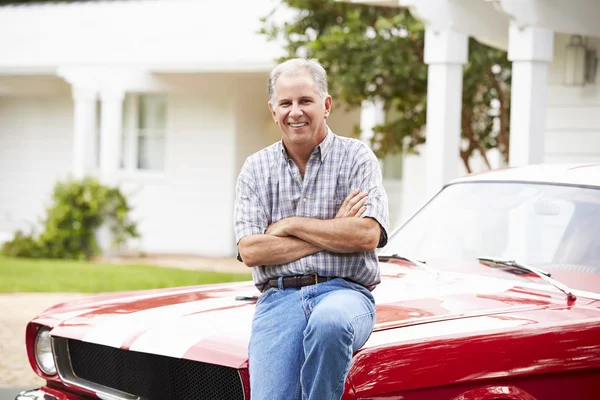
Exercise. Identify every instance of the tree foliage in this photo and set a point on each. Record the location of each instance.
(376, 53)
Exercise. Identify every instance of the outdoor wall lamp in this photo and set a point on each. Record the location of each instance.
(580, 63)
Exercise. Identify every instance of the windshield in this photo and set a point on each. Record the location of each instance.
(548, 226)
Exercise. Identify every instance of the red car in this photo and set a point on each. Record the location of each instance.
(490, 291)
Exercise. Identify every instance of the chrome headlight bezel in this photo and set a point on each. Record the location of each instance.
(42, 351)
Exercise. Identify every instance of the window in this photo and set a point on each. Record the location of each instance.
(144, 128)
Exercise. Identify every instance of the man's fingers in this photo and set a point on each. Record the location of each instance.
(348, 202)
(349, 197)
(355, 200)
(353, 204)
(355, 208)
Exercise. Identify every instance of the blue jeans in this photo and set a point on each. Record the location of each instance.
(303, 339)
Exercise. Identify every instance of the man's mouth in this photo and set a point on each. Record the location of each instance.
(298, 125)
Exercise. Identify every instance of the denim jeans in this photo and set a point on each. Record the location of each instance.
(303, 339)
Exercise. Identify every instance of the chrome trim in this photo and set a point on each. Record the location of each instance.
(586, 294)
(34, 394)
(241, 383)
(64, 368)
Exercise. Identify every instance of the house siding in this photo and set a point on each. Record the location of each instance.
(572, 113)
(35, 151)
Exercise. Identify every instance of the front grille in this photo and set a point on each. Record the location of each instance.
(151, 376)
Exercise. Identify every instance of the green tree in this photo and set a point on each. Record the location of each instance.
(376, 53)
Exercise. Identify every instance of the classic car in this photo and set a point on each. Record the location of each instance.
(490, 291)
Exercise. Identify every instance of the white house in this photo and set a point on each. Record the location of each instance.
(168, 97)
(165, 98)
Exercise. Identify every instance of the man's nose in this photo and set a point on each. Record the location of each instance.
(296, 110)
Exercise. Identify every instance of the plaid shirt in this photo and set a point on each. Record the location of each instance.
(270, 188)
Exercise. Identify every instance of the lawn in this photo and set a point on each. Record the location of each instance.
(27, 275)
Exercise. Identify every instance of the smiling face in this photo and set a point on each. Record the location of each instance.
(300, 112)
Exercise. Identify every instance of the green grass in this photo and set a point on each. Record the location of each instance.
(28, 275)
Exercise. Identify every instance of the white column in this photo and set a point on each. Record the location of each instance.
(371, 114)
(84, 127)
(130, 132)
(111, 126)
(530, 49)
(445, 53)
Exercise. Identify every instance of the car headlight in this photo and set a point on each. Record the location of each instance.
(42, 349)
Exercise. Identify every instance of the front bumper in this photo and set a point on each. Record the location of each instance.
(35, 394)
(45, 393)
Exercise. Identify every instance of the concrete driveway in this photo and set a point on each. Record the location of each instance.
(10, 393)
(15, 312)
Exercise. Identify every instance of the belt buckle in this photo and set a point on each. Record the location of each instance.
(316, 277)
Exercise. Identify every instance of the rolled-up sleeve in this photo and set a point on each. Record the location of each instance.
(249, 213)
(368, 177)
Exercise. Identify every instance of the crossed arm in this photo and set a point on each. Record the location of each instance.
(295, 237)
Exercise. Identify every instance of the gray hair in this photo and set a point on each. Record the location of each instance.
(294, 67)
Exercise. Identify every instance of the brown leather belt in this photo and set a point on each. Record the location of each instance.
(296, 281)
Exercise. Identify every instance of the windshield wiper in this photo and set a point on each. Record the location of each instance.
(418, 263)
(546, 276)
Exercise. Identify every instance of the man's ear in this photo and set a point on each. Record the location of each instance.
(273, 113)
(328, 104)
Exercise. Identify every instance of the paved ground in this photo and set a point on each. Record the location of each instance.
(9, 394)
(17, 309)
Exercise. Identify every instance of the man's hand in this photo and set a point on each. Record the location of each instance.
(279, 228)
(353, 205)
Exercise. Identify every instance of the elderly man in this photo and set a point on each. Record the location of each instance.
(310, 210)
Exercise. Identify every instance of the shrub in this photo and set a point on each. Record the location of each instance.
(79, 208)
(22, 245)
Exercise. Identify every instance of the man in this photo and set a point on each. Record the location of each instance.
(309, 212)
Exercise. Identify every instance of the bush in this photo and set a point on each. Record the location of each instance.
(22, 245)
(79, 209)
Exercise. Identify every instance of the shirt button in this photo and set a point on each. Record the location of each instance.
(304, 199)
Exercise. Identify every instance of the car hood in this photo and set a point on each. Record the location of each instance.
(208, 324)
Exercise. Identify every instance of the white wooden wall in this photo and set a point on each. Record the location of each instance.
(572, 113)
(35, 151)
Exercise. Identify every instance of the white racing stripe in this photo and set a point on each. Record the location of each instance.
(114, 330)
(132, 299)
(176, 339)
(423, 332)
(72, 314)
(421, 286)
